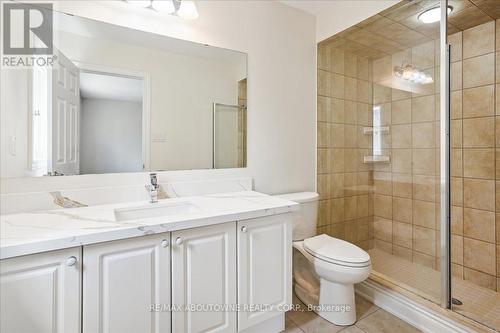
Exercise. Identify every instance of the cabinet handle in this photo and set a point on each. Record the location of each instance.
(178, 241)
(71, 261)
(244, 229)
(164, 243)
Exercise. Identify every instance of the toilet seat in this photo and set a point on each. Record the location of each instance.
(336, 251)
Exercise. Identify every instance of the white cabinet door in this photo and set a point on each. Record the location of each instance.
(264, 267)
(204, 273)
(41, 292)
(122, 280)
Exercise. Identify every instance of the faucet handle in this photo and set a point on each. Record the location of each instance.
(154, 180)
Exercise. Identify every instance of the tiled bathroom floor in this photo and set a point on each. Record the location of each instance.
(371, 319)
(480, 304)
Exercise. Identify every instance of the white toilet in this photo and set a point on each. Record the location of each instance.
(325, 269)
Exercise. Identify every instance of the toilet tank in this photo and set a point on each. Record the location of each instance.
(305, 219)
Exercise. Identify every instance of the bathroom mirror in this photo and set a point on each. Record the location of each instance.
(123, 100)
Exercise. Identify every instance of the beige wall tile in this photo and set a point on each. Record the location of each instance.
(479, 132)
(337, 110)
(381, 94)
(323, 135)
(382, 206)
(424, 213)
(424, 240)
(401, 160)
(382, 68)
(424, 187)
(456, 104)
(324, 109)
(457, 249)
(363, 92)
(350, 136)
(351, 65)
(402, 234)
(497, 64)
(350, 112)
(424, 259)
(402, 252)
(324, 158)
(324, 83)
(382, 245)
(338, 212)
(423, 55)
(350, 207)
(423, 135)
(457, 190)
(479, 255)
(324, 189)
(402, 209)
(479, 71)
(337, 185)
(350, 89)
(324, 57)
(479, 194)
(401, 136)
(363, 68)
(479, 278)
(398, 94)
(382, 229)
(424, 161)
(362, 206)
(456, 162)
(337, 86)
(479, 163)
(337, 135)
(402, 185)
(382, 182)
(457, 219)
(365, 116)
(479, 101)
(401, 111)
(457, 271)
(324, 210)
(456, 76)
(456, 46)
(456, 133)
(337, 61)
(479, 40)
(423, 108)
(337, 160)
(479, 224)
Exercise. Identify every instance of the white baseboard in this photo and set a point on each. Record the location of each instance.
(410, 311)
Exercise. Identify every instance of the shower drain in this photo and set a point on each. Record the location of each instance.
(455, 301)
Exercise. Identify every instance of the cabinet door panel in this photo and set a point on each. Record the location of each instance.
(204, 273)
(41, 292)
(264, 266)
(122, 280)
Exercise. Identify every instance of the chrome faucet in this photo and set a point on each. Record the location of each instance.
(153, 188)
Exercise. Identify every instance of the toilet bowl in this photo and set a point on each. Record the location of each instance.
(325, 268)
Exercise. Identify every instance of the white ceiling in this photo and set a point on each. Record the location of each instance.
(333, 16)
(116, 88)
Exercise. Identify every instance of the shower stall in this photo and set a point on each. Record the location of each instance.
(408, 124)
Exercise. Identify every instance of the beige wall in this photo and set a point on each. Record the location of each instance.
(344, 96)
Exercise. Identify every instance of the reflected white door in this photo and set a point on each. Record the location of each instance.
(204, 273)
(264, 267)
(122, 280)
(41, 292)
(65, 117)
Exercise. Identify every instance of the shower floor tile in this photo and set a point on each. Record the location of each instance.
(479, 304)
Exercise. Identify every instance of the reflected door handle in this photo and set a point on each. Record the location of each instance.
(164, 243)
(178, 241)
(71, 261)
(244, 229)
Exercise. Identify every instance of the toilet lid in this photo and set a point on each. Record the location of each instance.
(336, 251)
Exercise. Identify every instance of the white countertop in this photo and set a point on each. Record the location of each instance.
(34, 232)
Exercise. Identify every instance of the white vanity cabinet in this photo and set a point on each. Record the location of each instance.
(264, 267)
(41, 292)
(122, 280)
(204, 274)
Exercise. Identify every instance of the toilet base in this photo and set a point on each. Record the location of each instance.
(336, 303)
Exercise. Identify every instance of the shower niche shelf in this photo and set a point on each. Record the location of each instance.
(376, 159)
(381, 130)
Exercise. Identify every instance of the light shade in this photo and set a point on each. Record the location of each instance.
(164, 6)
(432, 15)
(188, 10)
(140, 3)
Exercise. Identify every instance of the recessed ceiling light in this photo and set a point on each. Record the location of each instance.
(432, 15)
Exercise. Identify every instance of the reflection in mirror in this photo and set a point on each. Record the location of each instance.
(122, 100)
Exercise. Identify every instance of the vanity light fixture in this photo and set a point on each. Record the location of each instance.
(432, 15)
(185, 9)
(410, 73)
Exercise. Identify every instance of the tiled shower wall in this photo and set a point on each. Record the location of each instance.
(344, 97)
(402, 212)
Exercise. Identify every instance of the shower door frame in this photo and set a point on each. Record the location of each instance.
(445, 158)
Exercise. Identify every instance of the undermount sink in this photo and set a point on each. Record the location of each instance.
(154, 210)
